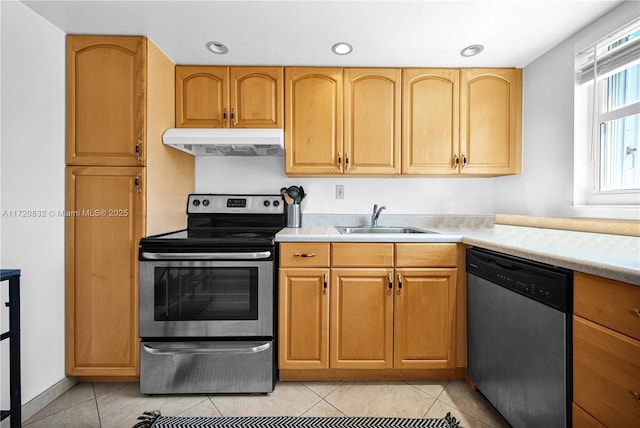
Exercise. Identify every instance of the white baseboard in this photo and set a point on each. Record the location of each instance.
(43, 399)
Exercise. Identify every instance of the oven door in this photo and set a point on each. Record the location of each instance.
(206, 298)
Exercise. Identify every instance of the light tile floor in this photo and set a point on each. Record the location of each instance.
(119, 404)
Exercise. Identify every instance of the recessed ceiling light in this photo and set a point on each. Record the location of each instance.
(472, 50)
(342, 48)
(217, 48)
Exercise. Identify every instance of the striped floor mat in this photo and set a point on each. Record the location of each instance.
(155, 420)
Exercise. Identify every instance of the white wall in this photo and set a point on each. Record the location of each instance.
(462, 196)
(32, 178)
(545, 187)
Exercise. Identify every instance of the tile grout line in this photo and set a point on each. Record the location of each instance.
(95, 401)
(214, 404)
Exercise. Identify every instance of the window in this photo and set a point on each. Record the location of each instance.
(608, 106)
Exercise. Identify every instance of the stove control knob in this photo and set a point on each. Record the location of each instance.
(276, 203)
(196, 202)
(205, 202)
(266, 203)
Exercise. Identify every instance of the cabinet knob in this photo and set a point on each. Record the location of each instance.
(635, 311)
(346, 162)
(390, 290)
(399, 284)
(137, 182)
(456, 161)
(324, 286)
(139, 149)
(636, 395)
(224, 117)
(233, 117)
(464, 160)
(339, 159)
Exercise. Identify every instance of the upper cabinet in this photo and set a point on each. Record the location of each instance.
(229, 97)
(106, 100)
(372, 120)
(491, 121)
(342, 121)
(465, 121)
(313, 125)
(403, 121)
(430, 121)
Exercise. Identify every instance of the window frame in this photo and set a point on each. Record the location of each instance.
(590, 113)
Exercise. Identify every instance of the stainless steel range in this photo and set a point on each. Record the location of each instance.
(207, 296)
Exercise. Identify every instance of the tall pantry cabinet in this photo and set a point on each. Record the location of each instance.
(122, 183)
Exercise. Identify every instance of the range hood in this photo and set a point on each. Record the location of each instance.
(226, 141)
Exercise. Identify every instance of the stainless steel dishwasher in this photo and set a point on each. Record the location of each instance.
(519, 337)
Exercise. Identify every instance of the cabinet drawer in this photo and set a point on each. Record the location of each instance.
(582, 419)
(304, 254)
(426, 255)
(361, 254)
(606, 374)
(610, 303)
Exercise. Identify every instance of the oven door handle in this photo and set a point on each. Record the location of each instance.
(207, 256)
(159, 349)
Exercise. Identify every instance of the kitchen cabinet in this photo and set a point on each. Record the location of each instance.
(104, 225)
(606, 351)
(372, 120)
(462, 121)
(430, 121)
(109, 205)
(342, 121)
(229, 97)
(361, 317)
(392, 306)
(490, 122)
(313, 124)
(412, 121)
(424, 318)
(303, 321)
(105, 100)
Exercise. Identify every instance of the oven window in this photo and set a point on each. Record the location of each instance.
(205, 293)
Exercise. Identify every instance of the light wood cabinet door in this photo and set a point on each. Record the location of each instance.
(256, 97)
(372, 120)
(430, 121)
(202, 97)
(104, 224)
(610, 303)
(361, 318)
(106, 78)
(313, 121)
(491, 121)
(606, 374)
(425, 318)
(303, 331)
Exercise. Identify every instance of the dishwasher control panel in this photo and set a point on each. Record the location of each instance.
(544, 283)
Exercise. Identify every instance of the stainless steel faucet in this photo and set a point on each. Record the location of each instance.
(376, 214)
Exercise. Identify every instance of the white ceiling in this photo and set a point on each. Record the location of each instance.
(300, 32)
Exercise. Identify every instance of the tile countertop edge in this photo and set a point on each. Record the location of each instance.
(617, 273)
(587, 265)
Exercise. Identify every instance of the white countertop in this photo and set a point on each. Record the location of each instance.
(611, 256)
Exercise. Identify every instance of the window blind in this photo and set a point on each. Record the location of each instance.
(606, 58)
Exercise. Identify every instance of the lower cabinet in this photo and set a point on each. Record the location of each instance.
(361, 318)
(104, 222)
(304, 318)
(424, 318)
(367, 306)
(606, 352)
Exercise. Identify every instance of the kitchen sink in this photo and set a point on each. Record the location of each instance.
(380, 229)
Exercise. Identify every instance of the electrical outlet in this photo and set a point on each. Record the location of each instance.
(339, 191)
